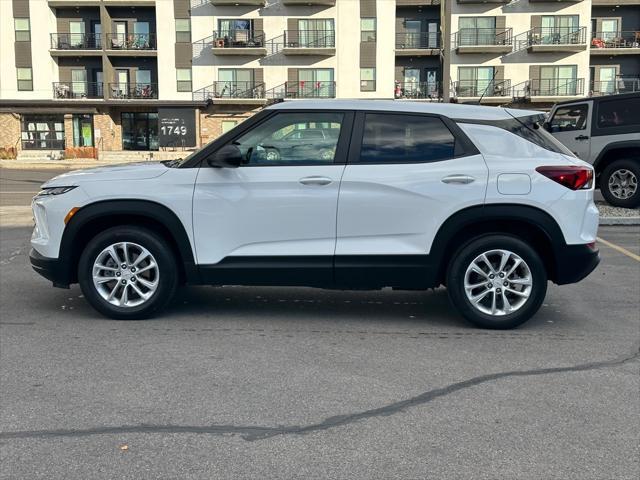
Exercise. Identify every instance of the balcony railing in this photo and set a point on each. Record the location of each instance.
(618, 85)
(131, 41)
(76, 41)
(549, 87)
(303, 89)
(238, 39)
(606, 40)
(417, 40)
(230, 89)
(482, 88)
(309, 39)
(77, 90)
(417, 91)
(133, 91)
(555, 36)
(472, 37)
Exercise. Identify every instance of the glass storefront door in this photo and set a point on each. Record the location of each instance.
(83, 130)
(140, 131)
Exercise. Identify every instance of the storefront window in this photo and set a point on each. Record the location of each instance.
(140, 131)
(83, 130)
(43, 132)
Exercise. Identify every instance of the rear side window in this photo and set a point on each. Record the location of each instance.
(397, 138)
(619, 113)
(569, 118)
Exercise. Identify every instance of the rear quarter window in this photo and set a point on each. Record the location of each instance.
(619, 113)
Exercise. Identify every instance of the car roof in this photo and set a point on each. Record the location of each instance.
(600, 98)
(451, 110)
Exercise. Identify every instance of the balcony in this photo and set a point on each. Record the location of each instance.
(615, 43)
(483, 40)
(554, 39)
(555, 1)
(76, 44)
(549, 89)
(416, 3)
(239, 42)
(232, 92)
(309, 42)
(606, 3)
(325, 3)
(133, 91)
(302, 89)
(252, 3)
(417, 91)
(488, 90)
(621, 84)
(483, 1)
(136, 44)
(77, 90)
(417, 44)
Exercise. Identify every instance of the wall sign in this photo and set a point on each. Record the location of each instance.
(177, 127)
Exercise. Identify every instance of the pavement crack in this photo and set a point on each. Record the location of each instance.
(253, 433)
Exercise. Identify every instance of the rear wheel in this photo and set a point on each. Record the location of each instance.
(128, 273)
(497, 281)
(619, 183)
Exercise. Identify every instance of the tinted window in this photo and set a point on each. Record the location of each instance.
(396, 138)
(284, 140)
(569, 118)
(619, 113)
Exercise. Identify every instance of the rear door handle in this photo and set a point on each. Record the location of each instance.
(459, 179)
(314, 180)
(582, 137)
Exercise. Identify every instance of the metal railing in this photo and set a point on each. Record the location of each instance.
(309, 38)
(302, 89)
(415, 40)
(554, 36)
(77, 90)
(482, 36)
(612, 87)
(236, 38)
(615, 40)
(556, 87)
(135, 91)
(131, 41)
(229, 89)
(417, 90)
(76, 41)
(482, 88)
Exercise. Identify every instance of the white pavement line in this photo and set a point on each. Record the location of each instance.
(16, 216)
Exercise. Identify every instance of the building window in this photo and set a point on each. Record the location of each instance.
(183, 76)
(82, 130)
(25, 78)
(228, 125)
(183, 30)
(367, 29)
(139, 131)
(367, 79)
(23, 30)
(43, 132)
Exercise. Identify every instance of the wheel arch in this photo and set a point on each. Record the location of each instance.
(608, 154)
(525, 222)
(96, 217)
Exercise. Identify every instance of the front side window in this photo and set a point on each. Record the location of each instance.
(183, 77)
(25, 78)
(292, 139)
(183, 30)
(396, 138)
(367, 29)
(569, 118)
(23, 30)
(619, 113)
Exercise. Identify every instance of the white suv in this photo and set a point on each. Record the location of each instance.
(410, 196)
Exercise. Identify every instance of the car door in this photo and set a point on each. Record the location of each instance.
(407, 173)
(273, 219)
(571, 124)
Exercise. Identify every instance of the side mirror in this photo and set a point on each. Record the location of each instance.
(228, 156)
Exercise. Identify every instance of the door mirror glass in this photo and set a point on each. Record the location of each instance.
(228, 156)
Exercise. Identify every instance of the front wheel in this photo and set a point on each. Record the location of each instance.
(128, 273)
(619, 183)
(497, 281)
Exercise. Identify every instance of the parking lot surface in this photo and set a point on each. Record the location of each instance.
(261, 383)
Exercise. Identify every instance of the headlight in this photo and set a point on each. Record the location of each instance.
(54, 191)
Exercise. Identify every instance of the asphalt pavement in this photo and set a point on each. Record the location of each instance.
(257, 383)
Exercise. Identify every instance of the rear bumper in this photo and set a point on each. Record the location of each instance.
(575, 262)
(50, 268)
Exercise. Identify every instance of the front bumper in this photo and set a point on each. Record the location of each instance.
(50, 268)
(575, 262)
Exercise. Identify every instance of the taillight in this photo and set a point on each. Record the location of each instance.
(570, 176)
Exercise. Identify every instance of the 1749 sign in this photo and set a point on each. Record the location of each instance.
(177, 127)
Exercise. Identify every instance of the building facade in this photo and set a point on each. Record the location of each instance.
(119, 77)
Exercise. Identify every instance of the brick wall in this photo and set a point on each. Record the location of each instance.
(9, 130)
(211, 120)
(109, 128)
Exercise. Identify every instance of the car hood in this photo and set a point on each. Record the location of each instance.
(111, 173)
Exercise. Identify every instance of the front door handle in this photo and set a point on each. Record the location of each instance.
(459, 179)
(315, 180)
(582, 137)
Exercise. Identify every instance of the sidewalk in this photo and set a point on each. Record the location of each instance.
(69, 164)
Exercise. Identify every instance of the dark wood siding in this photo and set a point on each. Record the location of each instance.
(20, 8)
(183, 55)
(23, 54)
(181, 8)
(367, 54)
(367, 8)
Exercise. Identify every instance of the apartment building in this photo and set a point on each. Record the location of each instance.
(118, 77)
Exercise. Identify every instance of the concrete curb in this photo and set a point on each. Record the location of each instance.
(619, 221)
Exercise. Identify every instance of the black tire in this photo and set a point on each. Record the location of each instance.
(626, 164)
(166, 264)
(465, 256)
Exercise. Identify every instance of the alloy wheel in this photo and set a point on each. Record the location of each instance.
(623, 184)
